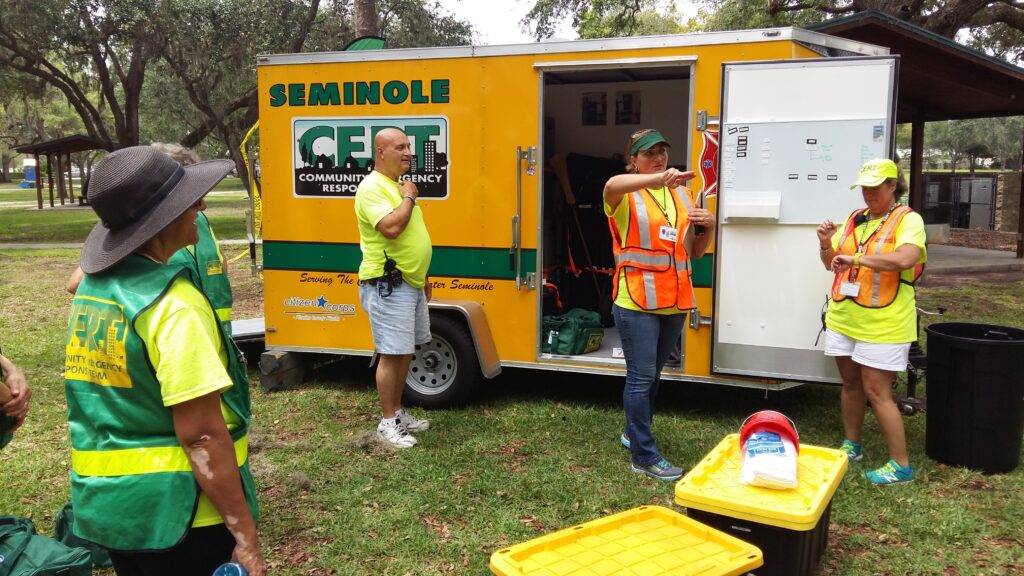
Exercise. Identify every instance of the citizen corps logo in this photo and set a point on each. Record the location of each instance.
(331, 156)
(320, 305)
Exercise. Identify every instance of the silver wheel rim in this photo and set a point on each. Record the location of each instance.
(434, 367)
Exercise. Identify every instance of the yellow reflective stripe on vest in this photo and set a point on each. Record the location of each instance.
(132, 461)
(224, 314)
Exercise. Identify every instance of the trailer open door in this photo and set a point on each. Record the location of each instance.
(793, 137)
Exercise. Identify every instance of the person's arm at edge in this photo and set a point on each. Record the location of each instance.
(200, 428)
(75, 280)
(701, 243)
(15, 382)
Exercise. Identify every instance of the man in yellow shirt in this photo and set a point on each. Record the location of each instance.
(393, 284)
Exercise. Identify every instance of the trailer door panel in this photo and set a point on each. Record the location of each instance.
(793, 137)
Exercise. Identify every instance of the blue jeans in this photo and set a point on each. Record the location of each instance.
(647, 342)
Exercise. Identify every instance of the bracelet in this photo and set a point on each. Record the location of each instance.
(856, 260)
(410, 199)
(825, 248)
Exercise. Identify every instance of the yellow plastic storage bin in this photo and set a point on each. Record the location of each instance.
(789, 526)
(644, 541)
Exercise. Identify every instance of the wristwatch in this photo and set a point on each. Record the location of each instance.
(410, 199)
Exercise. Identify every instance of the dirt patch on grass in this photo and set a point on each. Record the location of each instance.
(246, 288)
(984, 239)
(513, 455)
(974, 278)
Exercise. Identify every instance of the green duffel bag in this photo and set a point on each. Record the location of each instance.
(557, 333)
(64, 535)
(24, 553)
(577, 331)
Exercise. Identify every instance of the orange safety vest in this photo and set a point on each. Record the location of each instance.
(878, 289)
(657, 270)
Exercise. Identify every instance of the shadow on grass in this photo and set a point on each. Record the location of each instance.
(814, 407)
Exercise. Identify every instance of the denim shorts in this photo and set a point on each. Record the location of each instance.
(399, 322)
(890, 357)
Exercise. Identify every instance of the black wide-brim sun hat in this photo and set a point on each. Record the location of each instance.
(137, 192)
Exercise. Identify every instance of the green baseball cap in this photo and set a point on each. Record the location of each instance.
(646, 141)
(876, 171)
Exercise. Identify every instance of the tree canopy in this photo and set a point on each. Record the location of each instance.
(132, 71)
(996, 26)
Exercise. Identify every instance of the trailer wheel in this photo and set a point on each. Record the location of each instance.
(444, 371)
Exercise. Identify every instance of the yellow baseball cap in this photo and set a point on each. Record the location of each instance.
(876, 171)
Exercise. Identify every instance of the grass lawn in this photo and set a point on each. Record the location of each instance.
(535, 452)
(25, 223)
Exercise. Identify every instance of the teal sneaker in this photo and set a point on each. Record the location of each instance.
(624, 440)
(891, 473)
(852, 450)
(661, 470)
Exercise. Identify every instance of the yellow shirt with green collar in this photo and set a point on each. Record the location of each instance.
(892, 324)
(185, 348)
(663, 197)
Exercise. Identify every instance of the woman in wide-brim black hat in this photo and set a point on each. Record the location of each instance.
(158, 399)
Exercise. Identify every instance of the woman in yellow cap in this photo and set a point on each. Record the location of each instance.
(876, 255)
(655, 234)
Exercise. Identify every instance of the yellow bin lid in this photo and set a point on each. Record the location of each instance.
(714, 486)
(644, 541)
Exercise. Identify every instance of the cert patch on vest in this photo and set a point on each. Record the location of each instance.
(214, 267)
(96, 344)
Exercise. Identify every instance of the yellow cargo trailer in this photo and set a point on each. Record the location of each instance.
(512, 145)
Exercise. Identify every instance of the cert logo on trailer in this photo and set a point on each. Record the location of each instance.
(331, 156)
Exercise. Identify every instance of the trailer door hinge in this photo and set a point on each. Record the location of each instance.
(531, 280)
(703, 120)
(696, 320)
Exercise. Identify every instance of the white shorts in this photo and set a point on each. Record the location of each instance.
(891, 357)
(400, 321)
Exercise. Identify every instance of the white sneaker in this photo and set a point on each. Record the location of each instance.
(396, 434)
(412, 423)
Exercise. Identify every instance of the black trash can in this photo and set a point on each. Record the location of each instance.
(975, 412)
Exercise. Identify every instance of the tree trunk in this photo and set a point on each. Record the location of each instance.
(366, 18)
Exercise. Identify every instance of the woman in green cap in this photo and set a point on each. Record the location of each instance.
(876, 255)
(656, 230)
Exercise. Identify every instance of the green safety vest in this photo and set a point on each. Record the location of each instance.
(205, 263)
(131, 482)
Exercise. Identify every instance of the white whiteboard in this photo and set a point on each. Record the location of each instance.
(793, 137)
(768, 317)
(818, 89)
(804, 167)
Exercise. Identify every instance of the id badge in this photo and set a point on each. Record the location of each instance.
(668, 233)
(851, 289)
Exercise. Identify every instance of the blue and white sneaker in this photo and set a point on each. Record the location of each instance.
(891, 473)
(852, 450)
(661, 470)
(624, 440)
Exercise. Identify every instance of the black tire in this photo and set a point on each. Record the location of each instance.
(445, 371)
